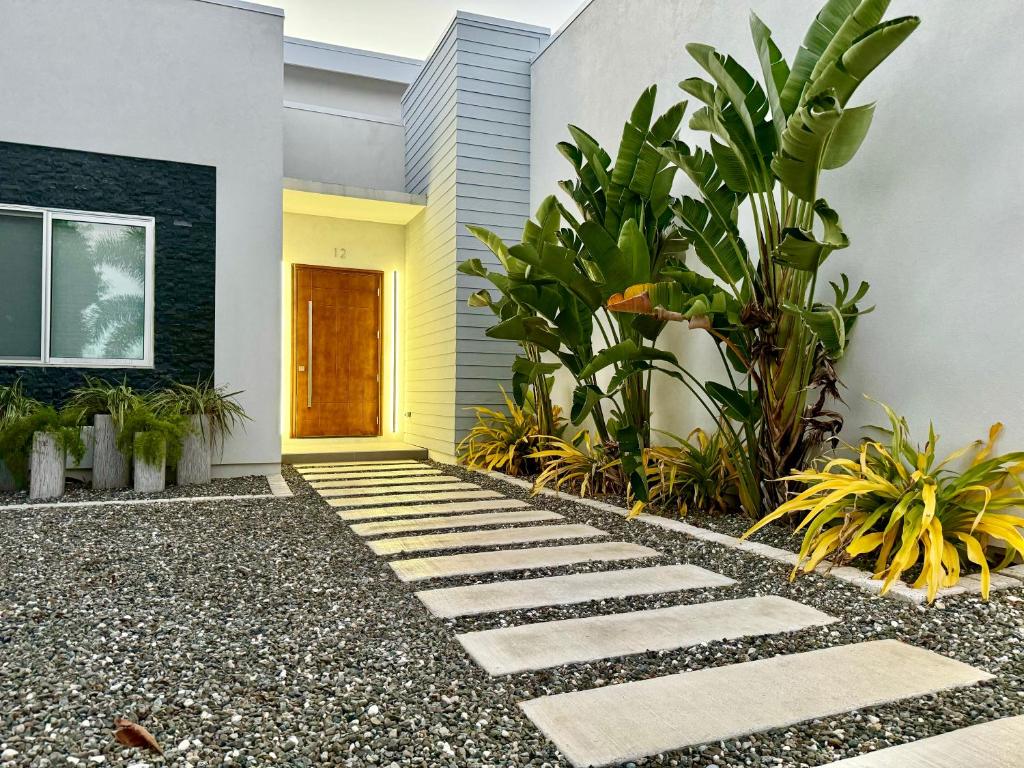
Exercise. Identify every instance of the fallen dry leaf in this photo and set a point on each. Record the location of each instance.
(134, 735)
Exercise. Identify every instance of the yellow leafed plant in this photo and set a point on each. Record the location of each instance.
(583, 465)
(504, 441)
(897, 502)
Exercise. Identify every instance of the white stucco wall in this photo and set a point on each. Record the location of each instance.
(180, 80)
(932, 203)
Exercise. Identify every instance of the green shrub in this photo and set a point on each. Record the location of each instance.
(16, 437)
(159, 437)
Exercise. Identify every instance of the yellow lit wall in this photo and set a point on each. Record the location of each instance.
(319, 241)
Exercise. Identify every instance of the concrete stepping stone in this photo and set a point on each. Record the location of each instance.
(495, 501)
(548, 644)
(405, 489)
(380, 473)
(359, 465)
(998, 744)
(625, 722)
(413, 498)
(496, 538)
(377, 482)
(450, 602)
(454, 521)
(370, 471)
(474, 563)
(320, 474)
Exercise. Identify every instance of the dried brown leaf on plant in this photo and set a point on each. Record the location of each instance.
(134, 735)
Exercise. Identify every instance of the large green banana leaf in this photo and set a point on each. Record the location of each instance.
(625, 352)
(559, 263)
(774, 69)
(800, 249)
(865, 16)
(526, 329)
(634, 135)
(845, 75)
(719, 248)
(799, 160)
(848, 135)
(820, 34)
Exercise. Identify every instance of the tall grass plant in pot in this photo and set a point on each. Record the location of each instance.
(107, 405)
(35, 448)
(212, 413)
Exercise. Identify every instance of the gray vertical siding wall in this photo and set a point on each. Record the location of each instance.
(428, 110)
(468, 149)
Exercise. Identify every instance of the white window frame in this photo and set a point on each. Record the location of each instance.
(48, 216)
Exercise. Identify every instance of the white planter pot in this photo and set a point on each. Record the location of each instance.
(110, 467)
(196, 453)
(149, 478)
(47, 467)
(88, 436)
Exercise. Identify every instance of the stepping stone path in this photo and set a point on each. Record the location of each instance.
(633, 720)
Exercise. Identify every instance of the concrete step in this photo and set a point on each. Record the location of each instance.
(363, 455)
(997, 744)
(494, 501)
(526, 647)
(473, 563)
(475, 599)
(626, 722)
(330, 493)
(494, 538)
(384, 527)
(412, 498)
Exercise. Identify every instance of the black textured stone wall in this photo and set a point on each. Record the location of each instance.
(183, 200)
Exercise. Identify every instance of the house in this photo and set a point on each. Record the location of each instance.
(289, 215)
(293, 211)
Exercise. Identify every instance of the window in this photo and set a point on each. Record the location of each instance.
(76, 289)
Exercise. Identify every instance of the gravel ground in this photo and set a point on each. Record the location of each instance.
(263, 632)
(76, 490)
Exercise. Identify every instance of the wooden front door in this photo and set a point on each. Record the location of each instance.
(336, 352)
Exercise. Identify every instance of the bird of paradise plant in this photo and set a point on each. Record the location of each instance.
(898, 501)
(770, 143)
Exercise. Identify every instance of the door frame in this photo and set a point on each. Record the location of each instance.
(379, 274)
